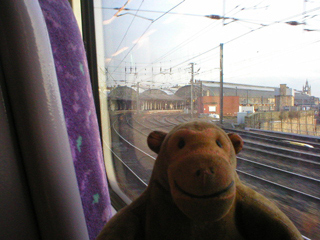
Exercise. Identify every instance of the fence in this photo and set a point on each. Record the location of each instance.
(300, 122)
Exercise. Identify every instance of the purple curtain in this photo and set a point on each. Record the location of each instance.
(79, 110)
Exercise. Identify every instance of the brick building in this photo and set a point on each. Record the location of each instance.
(211, 104)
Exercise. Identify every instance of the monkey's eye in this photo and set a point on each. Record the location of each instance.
(181, 143)
(219, 143)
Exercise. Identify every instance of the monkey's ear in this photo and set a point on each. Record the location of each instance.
(155, 140)
(237, 142)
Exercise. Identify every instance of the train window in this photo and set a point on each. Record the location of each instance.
(249, 66)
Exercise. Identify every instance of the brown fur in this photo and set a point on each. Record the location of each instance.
(195, 193)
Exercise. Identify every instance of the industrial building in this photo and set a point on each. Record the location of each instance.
(260, 97)
(211, 104)
(126, 98)
(156, 99)
(204, 97)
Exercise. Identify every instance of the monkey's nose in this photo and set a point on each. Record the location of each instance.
(205, 171)
(205, 174)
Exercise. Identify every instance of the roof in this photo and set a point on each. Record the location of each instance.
(241, 90)
(123, 93)
(157, 94)
(185, 91)
(239, 86)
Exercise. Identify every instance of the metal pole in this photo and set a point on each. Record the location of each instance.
(192, 77)
(138, 103)
(224, 11)
(221, 83)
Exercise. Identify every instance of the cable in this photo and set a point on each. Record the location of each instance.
(229, 41)
(127, 28)
(146, 31)
(182, 44)
(193, 37)
(188, 60)
(154, 11)
(198, 34)
(253, 30)
(116, 14)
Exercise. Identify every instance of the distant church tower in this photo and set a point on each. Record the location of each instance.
(306, 89)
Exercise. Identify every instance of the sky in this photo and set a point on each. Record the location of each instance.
(265, 42)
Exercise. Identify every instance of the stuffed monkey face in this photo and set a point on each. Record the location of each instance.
(198, 161)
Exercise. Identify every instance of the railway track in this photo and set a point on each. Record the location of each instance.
(285, 162)
(286, 141)
(281, 182)
(308, 187)
(304, 138)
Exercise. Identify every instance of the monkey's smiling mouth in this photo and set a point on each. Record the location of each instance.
(204, 196)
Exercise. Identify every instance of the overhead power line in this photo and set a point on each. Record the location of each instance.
(155, 11)
(146, 31)
(124, 36)
(217, 17)
(244, 34)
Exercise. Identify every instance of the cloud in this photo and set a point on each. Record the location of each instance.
(144, 37)
(106, 22)
(107, 60)
(120, 51)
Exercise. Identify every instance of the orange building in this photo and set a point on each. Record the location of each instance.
(211, 104)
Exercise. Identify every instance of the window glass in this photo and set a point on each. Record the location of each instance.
(166, 62)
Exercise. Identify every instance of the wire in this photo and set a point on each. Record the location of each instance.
(263, 26)
(154, 11)
(182, 44)
(117, 13)
(211, 49)
(252, 30)
(198, 34)
(127, 28)
(192, 38)
(146, 31)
